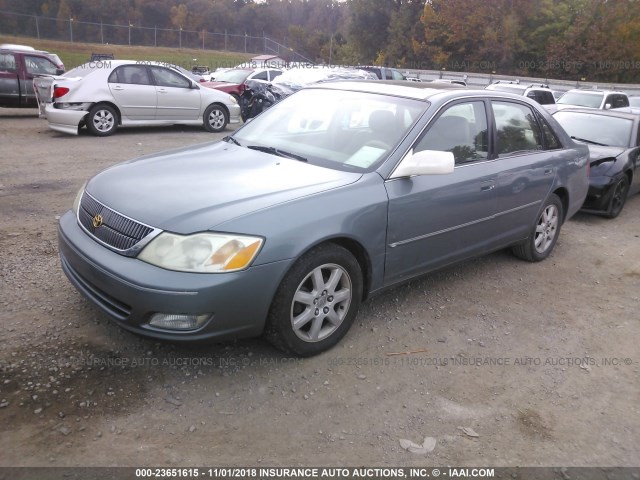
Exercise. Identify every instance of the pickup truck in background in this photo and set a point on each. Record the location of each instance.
(19, 65)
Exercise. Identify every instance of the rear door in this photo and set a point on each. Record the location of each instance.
(9, 84)
(528, 166)
(435, 220)
(133, 92)
(176, 99)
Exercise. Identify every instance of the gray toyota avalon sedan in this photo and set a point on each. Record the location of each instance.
(331, 195)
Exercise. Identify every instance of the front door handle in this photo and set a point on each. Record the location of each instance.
(487, 186)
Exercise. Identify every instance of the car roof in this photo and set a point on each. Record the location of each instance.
(415, 90)
(594, 91)
(628, 113)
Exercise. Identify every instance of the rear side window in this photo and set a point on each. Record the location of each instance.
(516, 128)
(7, 62)
(619, 101)
(396, 75)
(551, 141)
(132, 74)
(462, 130)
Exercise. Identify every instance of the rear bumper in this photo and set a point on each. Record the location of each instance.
(130, 291)
(65, 121)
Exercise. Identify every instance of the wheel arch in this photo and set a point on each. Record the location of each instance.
(356, 249)
(218, 104)
(112, 105)
(563, 195)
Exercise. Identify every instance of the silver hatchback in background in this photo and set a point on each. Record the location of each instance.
(105, 95)
(333, 194)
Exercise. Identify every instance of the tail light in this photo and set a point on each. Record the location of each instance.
(60, 91)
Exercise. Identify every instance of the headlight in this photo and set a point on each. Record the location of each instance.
(201, 252)
(76, 202)
(232, 99)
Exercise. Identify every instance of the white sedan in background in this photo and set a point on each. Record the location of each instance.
(119, 93)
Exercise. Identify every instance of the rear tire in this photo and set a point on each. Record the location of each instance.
(102, 120)
(618, 197)
(544, 234)
(316, 303)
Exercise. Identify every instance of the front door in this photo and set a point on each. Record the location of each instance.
(435, 220)
(176, 99)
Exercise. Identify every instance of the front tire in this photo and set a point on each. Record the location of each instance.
(215, 118)
(618, 197)
(102, 120)
(545, 232)
(316, 303)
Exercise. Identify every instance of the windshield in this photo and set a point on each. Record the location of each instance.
(296, 78)
(343, 130)
(233, 76)
(602, 129)
(582, 99)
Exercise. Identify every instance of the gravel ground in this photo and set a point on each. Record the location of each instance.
(540, 361)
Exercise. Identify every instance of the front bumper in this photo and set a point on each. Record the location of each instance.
(234, 114)
(65, 121)
(130, 290)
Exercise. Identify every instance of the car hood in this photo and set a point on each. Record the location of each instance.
(196, 188)
(597, 153)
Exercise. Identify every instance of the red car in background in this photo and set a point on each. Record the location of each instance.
(232, 81)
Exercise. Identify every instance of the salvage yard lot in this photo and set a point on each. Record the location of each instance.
(541, 360)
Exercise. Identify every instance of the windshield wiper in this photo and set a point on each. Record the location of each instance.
(277, 151)
(229, 138)
(589, 141)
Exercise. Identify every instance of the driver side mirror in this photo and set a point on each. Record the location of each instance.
(425, 162)
(607, 106)
(193, 85)
(59, 71)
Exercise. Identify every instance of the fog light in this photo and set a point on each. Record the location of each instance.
(173, 321)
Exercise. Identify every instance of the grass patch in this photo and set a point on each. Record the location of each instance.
(74, 54)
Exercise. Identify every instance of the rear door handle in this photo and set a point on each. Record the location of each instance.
(162, 90)
(118, 87)
(548, 170)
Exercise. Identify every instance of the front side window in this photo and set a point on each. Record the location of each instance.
(462, 130)
(39, 65)
(167, 78)
(517, 129)
(261, 76)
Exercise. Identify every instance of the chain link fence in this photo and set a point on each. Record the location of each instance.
(72, 30)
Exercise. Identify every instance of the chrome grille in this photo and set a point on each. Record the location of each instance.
(116, 231)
